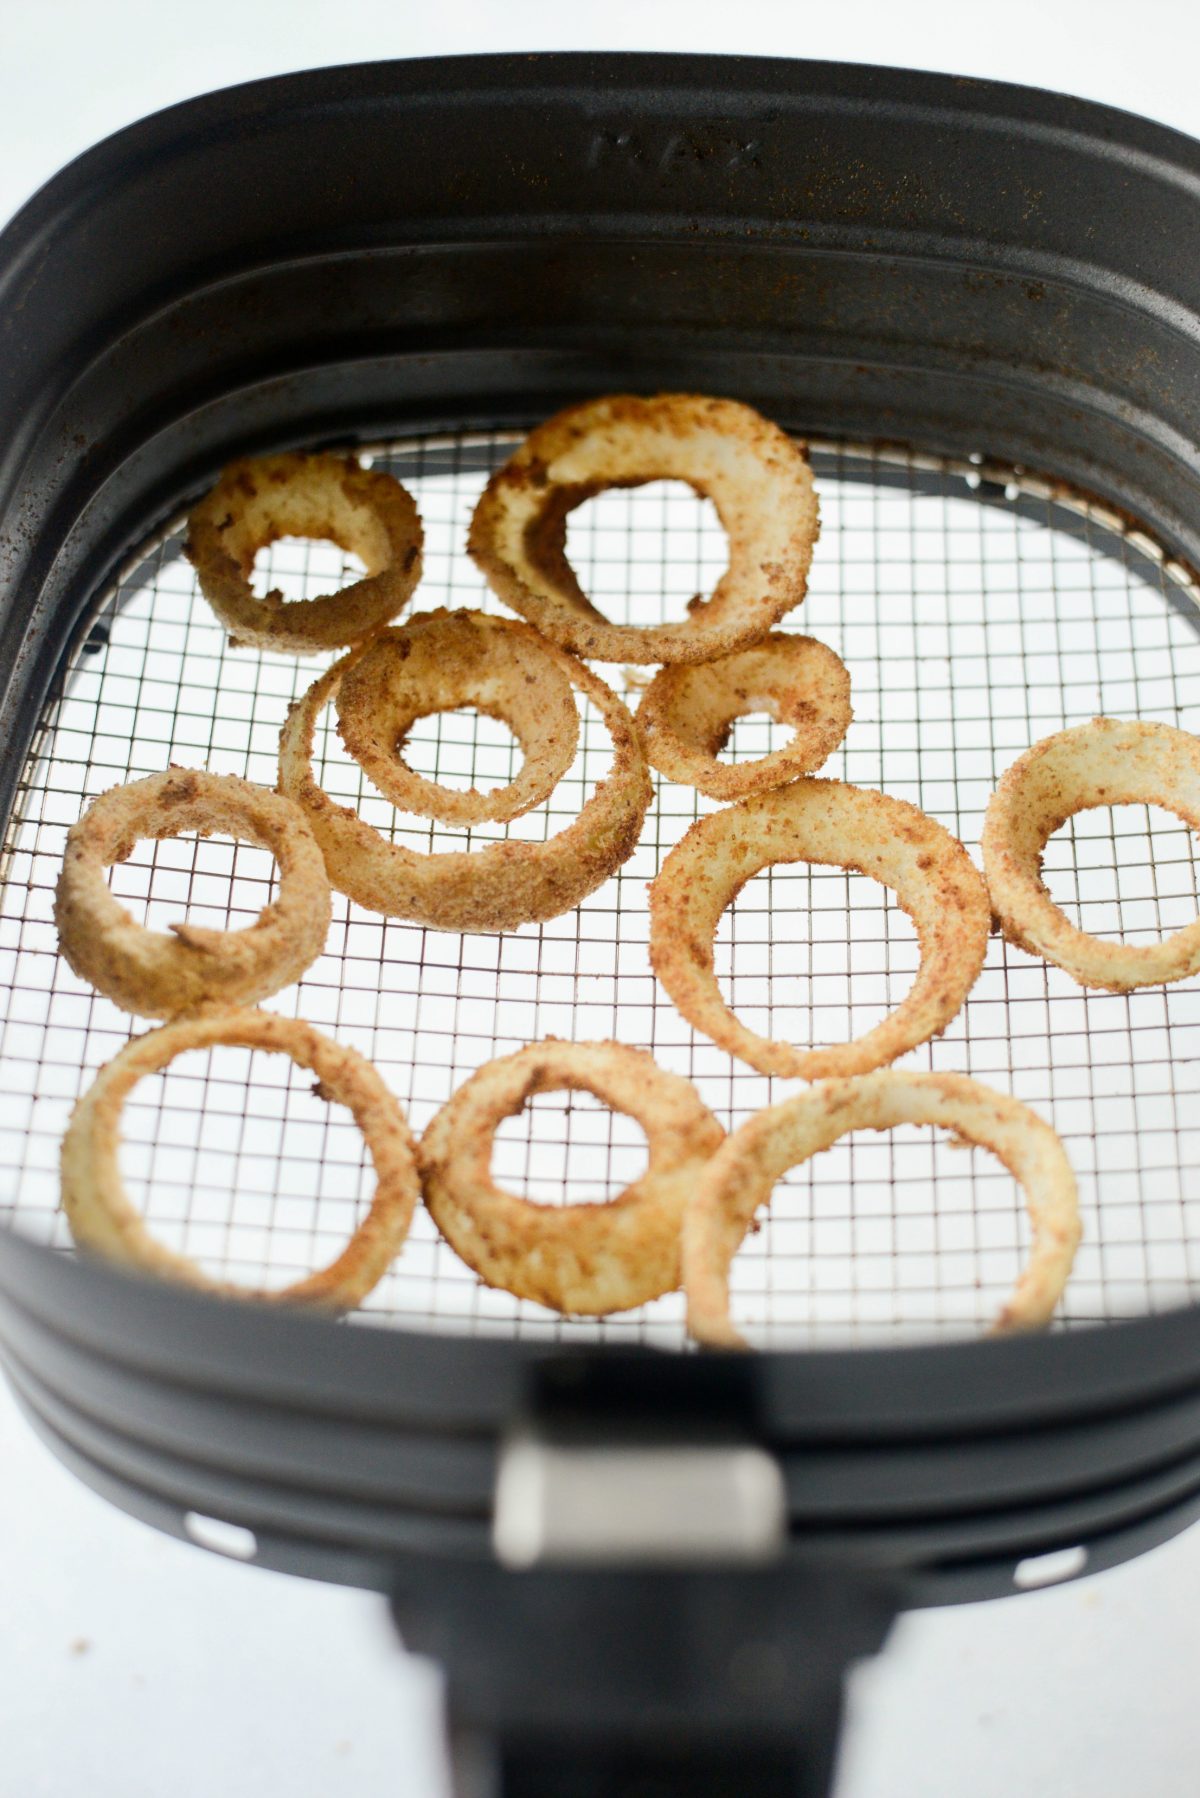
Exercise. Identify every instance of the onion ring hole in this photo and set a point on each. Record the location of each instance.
(1130, 873)
(752, 736)
(213, 883)
(903, 1223)
(463, 748)
(233, 1161)
(814, 955)
(641, 553)
(568, 1148)
(303, 567)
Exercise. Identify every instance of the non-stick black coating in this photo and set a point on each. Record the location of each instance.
(859, 252)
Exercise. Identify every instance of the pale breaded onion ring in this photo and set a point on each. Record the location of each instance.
(497, 888)
(161, 976)
(757, 478)
(688, 713)
(441, 660)
(742, 1174)
(825, 821)
(584, 1259)
(366, 512)
(1105, 762)
(102, 1217)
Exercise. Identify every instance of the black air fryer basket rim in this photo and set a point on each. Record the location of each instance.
(861, 252)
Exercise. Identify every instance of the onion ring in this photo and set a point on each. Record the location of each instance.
(848, 827)
(757, 478)
(688, 712)
(161, 976)
(583, 1259)
(497, 888)
(366, 512)
(1105, 762)
(102, 1217)
(741, 1175)
(441, 660)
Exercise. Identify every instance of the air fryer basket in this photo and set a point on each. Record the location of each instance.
(949, 285)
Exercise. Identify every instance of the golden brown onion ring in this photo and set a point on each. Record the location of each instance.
(688, 712)
(441, 660)
(497, 888)
(161, 976)
(757, 478)
(825, 821)
(586, 1259)
(102, 1217)
(366, 512)
(741, 1176)
(1105, 762)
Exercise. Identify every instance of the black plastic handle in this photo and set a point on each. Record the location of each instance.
(586, 1769)
(647, 1682)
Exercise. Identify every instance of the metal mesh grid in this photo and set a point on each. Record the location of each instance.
(977, 611)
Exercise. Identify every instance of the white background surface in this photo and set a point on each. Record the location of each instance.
(132, 1666)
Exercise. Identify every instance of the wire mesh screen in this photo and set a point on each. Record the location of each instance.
(976, 610)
